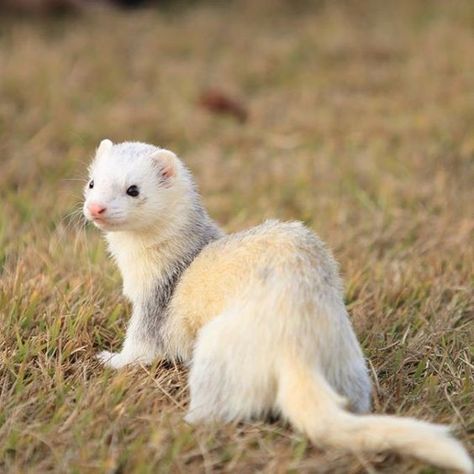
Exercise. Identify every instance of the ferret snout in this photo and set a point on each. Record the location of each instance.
(96, 209)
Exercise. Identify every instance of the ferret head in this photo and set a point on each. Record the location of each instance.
(132, 187)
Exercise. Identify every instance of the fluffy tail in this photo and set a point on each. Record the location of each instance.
(311, 405)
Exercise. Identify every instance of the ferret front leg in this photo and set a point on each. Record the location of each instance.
(141, 346)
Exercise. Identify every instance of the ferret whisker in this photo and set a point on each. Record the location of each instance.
(74, 217)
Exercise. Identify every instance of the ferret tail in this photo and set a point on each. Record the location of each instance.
(307, 401)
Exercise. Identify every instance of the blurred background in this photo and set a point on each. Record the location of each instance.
(281, 103)
(356, 117)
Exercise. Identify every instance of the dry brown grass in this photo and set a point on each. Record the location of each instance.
(361, 124)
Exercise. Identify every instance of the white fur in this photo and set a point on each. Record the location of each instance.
(258, 314)
(140, 234)
(243, 370)
(141, 264)
(141, 231)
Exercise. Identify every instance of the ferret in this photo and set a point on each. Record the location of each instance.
(258, 315)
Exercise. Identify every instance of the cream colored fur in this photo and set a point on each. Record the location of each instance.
(259, 316)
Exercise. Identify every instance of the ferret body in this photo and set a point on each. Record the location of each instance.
(259, 315)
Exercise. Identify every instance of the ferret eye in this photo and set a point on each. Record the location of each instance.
(133, 191)
(91, 184)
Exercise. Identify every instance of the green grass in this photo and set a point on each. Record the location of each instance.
(361, 124)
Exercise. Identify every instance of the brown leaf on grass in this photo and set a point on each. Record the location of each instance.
(219, 102)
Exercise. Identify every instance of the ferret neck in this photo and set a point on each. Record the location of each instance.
(145, 257)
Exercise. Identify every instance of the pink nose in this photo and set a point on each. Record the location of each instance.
(96, 209)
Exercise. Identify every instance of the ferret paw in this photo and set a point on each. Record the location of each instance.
(113, 360)
(193, 417)
(189, 418)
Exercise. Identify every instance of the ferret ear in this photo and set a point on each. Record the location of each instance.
(104, 146)
(166, 161)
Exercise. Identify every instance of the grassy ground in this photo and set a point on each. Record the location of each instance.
(361, 124)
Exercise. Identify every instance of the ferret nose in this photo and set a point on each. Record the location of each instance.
(96, 209)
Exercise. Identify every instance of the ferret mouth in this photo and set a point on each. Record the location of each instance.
(104, 223)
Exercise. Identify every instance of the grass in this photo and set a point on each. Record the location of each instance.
(361, 124)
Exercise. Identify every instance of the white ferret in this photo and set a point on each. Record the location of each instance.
(259, 315)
